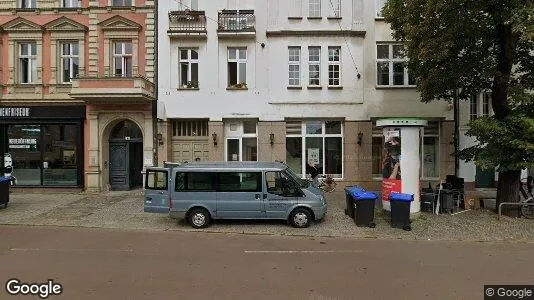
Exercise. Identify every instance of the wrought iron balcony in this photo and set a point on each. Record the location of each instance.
(187, 23)
(237, 21)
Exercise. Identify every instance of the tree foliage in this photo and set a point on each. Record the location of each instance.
(459, 48)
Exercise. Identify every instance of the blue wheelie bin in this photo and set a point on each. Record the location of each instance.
(364, 214)
(350, 191)
(5, 181)
(400, 210)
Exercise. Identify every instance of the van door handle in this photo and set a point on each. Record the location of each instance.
(257, 196)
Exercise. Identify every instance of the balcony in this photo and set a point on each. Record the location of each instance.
(237, 23)
(113, 90)
(187, 23)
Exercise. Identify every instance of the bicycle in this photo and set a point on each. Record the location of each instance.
(326, 183)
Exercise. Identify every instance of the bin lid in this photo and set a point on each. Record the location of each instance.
(401, 197)
(5, 179)
(354, 189)
(365, 196)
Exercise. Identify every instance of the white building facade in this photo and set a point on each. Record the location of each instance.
(290, 80)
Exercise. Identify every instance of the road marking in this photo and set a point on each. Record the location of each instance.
(68, 250)
(299, 251)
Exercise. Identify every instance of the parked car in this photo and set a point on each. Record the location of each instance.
(203, 191)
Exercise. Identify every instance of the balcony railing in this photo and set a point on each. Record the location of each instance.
(237, 21)
(187, 21)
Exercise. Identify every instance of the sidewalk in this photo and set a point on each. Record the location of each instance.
(125, 210)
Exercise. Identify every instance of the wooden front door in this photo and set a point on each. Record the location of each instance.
(119, 178)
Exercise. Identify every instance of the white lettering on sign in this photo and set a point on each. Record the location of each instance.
(23, 141)
(14, 112)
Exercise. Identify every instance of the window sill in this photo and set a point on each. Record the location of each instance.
(314, 87)
(315, 18)
(380, 19)
(335, 87)
(236, 89)
(334, 18)
(395, 87)
(26, 9)
(188, 89)
(294, 87)
(294, 18)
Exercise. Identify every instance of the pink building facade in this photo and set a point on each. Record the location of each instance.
(77, 90)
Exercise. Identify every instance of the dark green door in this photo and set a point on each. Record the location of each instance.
(485, 178)
(119, 178)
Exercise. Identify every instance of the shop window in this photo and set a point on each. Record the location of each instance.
(44, 154)
(321, 145)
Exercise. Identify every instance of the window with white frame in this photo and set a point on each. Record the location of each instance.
(379, 6)
(69, 3)
(188, 4)
(241, 140)
(27, 62)
(121, 2)
(28, 3)
(314, 8)
(429, 152)
(122, 59)
(294, 66)
(189, 68)
(315, 142)
(295, 8)
(69, 61)
(479, 106)
(314, 66)
(335, 7)
(473, 108)
(190, 127)
(391, 66)
(486, 97)
(237, 67)
(334, 66)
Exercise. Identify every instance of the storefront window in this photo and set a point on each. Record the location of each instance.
(24, 146)
(59, 155)
(320, 145)
(44, 154)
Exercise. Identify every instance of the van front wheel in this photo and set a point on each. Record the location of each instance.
(300, 218)
(199, 218)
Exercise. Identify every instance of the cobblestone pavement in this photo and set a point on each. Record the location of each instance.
(125, 210)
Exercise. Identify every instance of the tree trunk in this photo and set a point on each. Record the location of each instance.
(508, 191)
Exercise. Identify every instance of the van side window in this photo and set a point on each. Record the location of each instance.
(180, 182)
(156, 180)
(279, 183)
(195, 181)
(239, 182)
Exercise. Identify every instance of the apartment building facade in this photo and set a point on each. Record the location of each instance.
(296, 81)
(77, 91)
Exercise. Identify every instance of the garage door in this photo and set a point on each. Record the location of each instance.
(189, 150)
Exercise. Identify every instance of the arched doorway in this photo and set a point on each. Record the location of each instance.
(125, 156)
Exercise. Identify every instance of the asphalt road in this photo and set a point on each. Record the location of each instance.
(116, 264)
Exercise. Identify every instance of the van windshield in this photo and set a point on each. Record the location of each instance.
(301, 182)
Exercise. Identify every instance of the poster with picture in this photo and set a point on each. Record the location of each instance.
(313, 156)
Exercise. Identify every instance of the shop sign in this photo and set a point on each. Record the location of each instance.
(14, 112)
(21, 143)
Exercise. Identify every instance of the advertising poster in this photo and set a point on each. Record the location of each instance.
(391, 159)
(313, 156)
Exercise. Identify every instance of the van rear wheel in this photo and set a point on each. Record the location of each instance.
(199, 218)
(300, 218)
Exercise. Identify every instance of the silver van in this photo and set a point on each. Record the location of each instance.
(202, 191)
